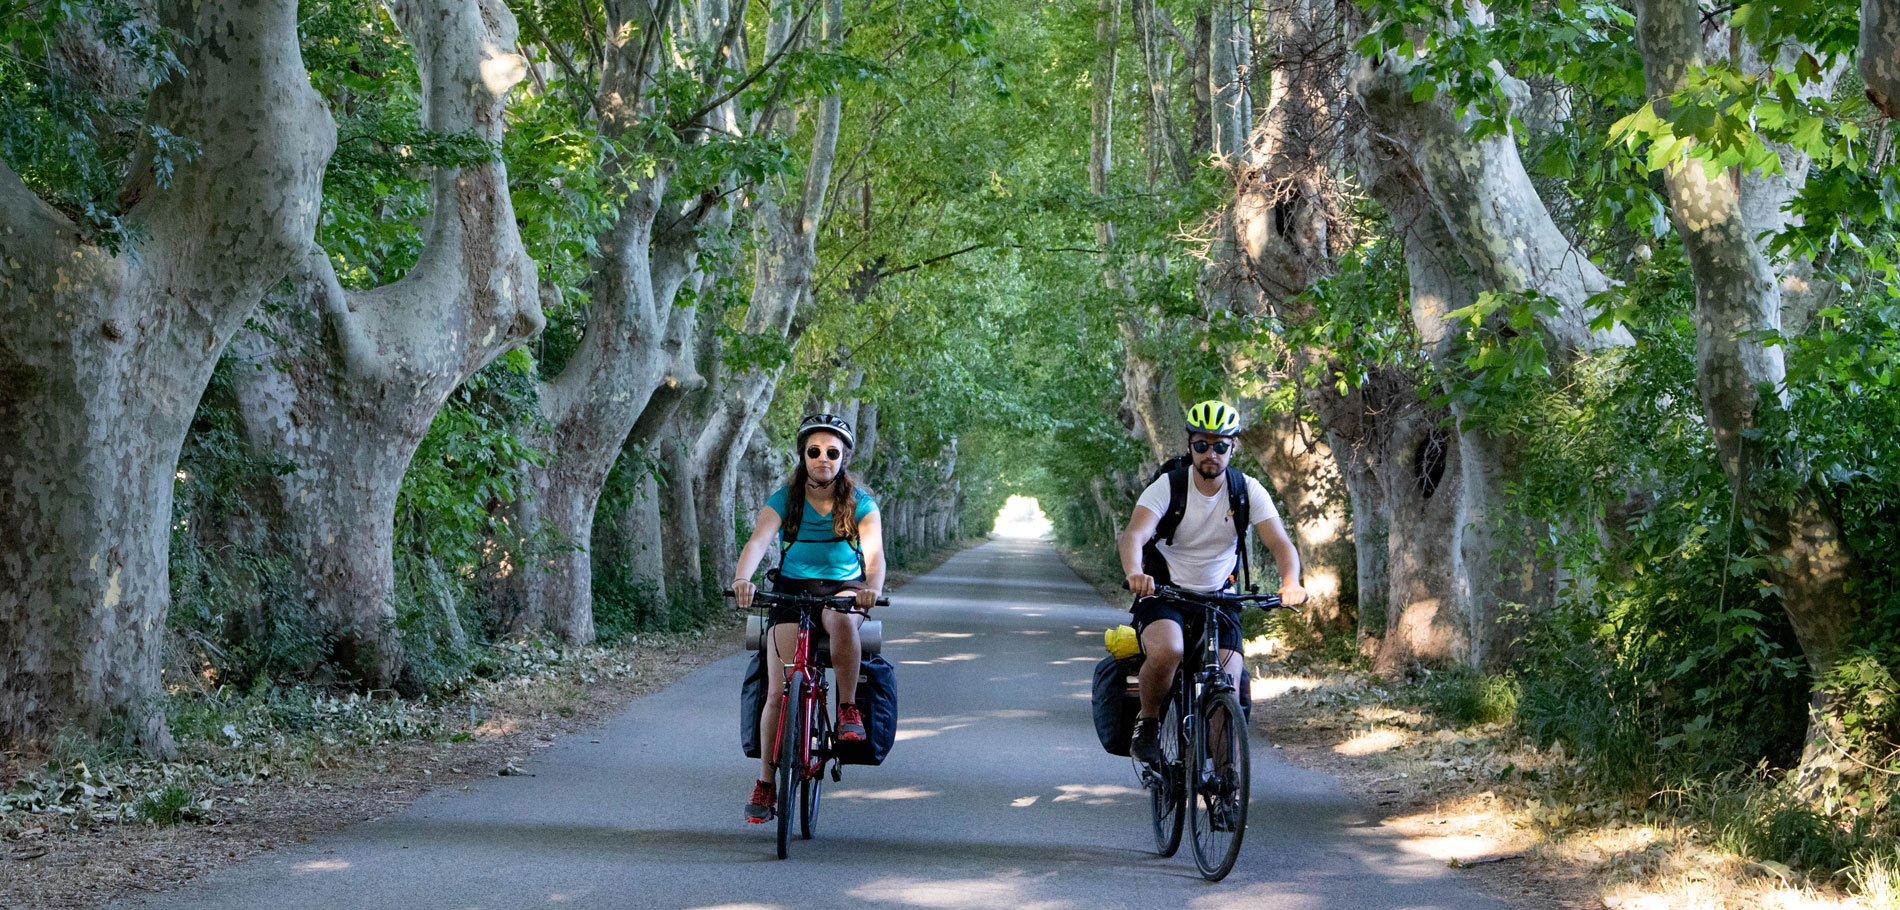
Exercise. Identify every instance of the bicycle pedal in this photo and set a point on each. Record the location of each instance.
(837, 774)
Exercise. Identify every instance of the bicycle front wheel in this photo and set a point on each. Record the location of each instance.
(1165, 791)
(812, 787)
(795, 724)
(1218, 785)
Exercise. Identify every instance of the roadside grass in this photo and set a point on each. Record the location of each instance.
(232, 741)
(1443, 758)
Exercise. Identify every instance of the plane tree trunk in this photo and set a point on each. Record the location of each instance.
(107, 352)
(786, 215)
(1880, 55)
(358, 376)
(589, 409)
(1741, 379)
(1470, 217)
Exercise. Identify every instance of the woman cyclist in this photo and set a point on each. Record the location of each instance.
(836, 544)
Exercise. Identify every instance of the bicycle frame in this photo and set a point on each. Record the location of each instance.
(814, 680)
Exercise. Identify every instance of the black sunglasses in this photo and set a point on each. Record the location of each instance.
(829, 454)
(1200, 447)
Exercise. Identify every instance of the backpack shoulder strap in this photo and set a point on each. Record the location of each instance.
(1177, 505)
(1237, 502)
(789, 522)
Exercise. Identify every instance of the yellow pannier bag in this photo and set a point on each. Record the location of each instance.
(1122, 642)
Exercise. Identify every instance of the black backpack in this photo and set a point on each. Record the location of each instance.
(1176, 471)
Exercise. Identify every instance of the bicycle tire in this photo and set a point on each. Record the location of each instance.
(1217, 796)
(789, 770)
(1166, 799)
(813, 785)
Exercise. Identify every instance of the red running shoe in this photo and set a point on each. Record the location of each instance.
(759, 810)
(850, 724)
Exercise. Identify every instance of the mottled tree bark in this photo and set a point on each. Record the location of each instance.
(1311, 494)
(1273, 242)
(1740, 378)
(1473, 223)
(107, 353)
(360, 375)
(1483, 194)
(635, 539)
(1419, 477)
(1880, 55)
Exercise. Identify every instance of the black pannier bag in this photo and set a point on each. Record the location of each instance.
(877, 701)
(751, 702)
(1116, 700)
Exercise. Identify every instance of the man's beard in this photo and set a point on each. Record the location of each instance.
(1209, 470)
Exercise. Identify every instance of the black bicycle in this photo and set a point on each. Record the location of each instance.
(1204, 769)
(804, 743)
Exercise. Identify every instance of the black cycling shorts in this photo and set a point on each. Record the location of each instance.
(1153, 609)
(779, 614)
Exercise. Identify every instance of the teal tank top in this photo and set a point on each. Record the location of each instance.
(818, 553)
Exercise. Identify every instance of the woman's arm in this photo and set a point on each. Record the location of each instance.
(764, 527)
(871, 541)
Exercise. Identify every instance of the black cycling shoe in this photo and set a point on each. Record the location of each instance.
(1146, 744)
(1219, 788)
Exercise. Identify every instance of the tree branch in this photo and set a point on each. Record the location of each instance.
(585, 100)
(750, 78)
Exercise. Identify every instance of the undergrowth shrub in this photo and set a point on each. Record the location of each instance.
(172, 805)
(1757, 816)
(1465, 696)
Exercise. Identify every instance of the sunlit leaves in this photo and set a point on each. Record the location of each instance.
(1726, 117)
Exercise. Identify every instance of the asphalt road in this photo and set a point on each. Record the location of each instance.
(995, 796)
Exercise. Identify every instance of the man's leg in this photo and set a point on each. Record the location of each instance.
(1161, 655)
(1161, 647)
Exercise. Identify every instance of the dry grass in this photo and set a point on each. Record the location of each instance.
(1484, 800)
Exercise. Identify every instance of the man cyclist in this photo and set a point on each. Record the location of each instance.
(1201, 554)
(833, 542)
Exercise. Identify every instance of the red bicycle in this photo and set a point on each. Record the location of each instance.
(805, 743)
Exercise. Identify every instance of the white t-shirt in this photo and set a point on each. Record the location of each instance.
(1202, 555)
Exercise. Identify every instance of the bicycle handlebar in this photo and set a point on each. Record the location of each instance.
(766, 598)
(1219, 598)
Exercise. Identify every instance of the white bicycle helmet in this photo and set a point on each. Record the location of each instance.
(828, 423)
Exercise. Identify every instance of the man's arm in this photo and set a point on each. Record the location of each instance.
(1273, 533)
(1141, 527)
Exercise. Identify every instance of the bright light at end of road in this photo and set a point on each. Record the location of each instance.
(1022, 517)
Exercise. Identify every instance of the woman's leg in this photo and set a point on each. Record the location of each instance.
(845, 648)
(781, 644)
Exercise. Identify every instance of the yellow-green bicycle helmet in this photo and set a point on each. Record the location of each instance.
(1213, 417)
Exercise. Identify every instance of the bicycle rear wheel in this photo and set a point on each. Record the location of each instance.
(813, 785)
(1218, 785)
(1164, 782)
(790, 764)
